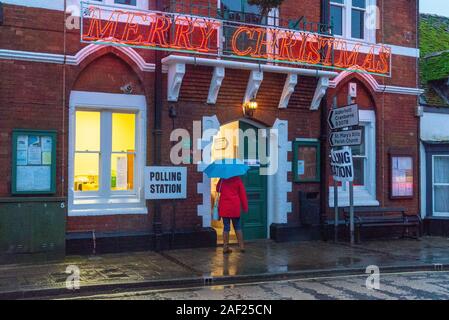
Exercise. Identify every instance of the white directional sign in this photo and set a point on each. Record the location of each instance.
(345, 138)
(341, 165)
(344, 117)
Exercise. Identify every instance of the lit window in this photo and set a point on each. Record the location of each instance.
(93, 149)
(87, 151)
(123, 151)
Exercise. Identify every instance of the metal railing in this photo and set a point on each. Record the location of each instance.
(205, 8)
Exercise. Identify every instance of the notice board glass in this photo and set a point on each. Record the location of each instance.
(306, 161)
(33, 162)
(401, 176)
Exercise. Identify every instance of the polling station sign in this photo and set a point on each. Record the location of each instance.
(165, 182)
(341, 165)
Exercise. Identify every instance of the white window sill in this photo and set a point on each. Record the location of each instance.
(441, 214)
(362, 198)
(104, 211)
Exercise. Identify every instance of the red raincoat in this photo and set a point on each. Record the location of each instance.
(232, 197)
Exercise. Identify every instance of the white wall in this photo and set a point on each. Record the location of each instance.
(435, 127)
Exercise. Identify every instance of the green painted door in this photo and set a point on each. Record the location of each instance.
(254, 222)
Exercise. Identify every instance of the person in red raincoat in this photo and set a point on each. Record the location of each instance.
(232, 200)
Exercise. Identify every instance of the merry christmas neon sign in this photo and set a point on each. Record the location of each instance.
(201, 36)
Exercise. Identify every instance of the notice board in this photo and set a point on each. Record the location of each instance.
(33, 162)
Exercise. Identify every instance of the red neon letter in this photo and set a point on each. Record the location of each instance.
(347, 60)
(159, 29)
(133, 27)
(235, 49)
(384, 64)
(285, 47)
(207, 31)
(97, 30)
(184, 28)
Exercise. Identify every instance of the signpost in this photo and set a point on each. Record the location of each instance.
(344, 117)
(342, 166)
(345, 138)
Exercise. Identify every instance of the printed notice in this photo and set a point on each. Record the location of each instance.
(301, 167)
(34, 150)
(22, 143)
(46, 143)
(22, 158)
(122, 173)
(33, 178)
(46, 157)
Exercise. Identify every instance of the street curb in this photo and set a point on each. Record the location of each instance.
(97, 289)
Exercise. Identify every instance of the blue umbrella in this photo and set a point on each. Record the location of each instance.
(226, 168)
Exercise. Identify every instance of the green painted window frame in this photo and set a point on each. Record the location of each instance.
(306, 143)
(40, 133)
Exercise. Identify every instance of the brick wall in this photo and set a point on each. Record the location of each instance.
(31, 96)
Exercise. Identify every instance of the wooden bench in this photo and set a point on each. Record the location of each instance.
(369, 217)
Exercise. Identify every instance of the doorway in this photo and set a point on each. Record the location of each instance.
(240, 139)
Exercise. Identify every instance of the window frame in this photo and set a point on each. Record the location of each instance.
(272, 20)
(306, 143)
(400, 154)
(105, 200)
(369, 36)
(365, 195)
(140, 4)
(434, 212)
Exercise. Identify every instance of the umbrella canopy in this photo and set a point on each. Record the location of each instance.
(226, 168)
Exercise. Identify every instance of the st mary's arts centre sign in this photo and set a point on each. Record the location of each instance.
(208, 36)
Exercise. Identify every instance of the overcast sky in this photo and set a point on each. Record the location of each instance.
(440, 7)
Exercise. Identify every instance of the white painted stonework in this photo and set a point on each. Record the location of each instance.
(278, 184)
(289, 87)
(209, 124)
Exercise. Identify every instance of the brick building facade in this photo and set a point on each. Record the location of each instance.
(48, 75)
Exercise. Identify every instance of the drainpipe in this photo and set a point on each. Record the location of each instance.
(157, 132)
(325, 5)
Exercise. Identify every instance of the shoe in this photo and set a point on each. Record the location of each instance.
(226, 250)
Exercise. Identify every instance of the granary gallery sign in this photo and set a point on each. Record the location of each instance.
(206, 36)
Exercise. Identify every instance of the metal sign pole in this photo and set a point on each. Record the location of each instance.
(351, 195)
(351, 210)
(334, 106)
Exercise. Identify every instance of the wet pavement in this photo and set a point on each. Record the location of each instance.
(262, 258)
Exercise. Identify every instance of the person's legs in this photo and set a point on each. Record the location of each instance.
(238, 233)
(226, 229)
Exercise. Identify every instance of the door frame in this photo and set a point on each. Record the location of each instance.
(265, 187)
(278, 185)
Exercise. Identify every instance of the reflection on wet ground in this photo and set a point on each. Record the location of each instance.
(261, 257)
